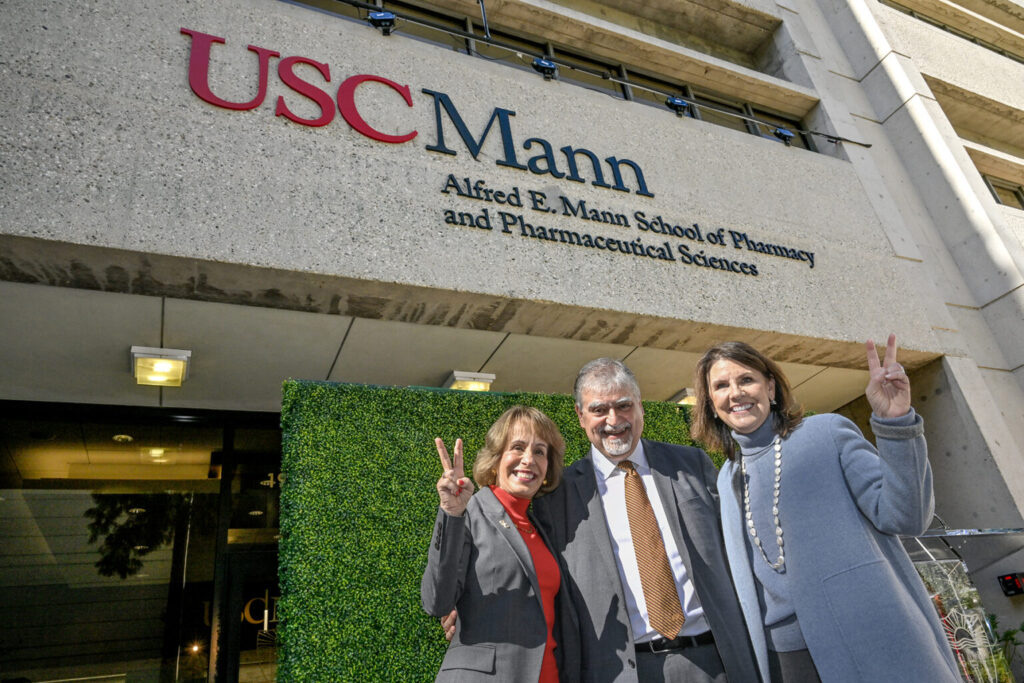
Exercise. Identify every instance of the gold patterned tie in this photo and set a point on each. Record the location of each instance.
(663, 608)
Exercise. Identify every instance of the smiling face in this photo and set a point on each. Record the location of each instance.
(523, 463)
(613, 420)
(741, 395)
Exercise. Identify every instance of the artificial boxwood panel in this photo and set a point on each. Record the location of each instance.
(357, 510)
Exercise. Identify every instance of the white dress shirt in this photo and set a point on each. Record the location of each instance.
(610, 486)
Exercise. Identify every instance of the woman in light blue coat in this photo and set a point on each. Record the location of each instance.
(811, 514)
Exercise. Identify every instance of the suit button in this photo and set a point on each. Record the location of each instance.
(632, 664)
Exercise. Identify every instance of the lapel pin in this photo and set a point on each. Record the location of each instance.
(504, 523)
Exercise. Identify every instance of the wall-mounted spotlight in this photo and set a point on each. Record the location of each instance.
(545, 67)
(160, 367)
(785, 135)
(469, 381)
(385, 21)
(678, 105)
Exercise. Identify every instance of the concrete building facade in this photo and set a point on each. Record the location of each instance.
(288, 190)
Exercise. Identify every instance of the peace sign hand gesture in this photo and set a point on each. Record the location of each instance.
(454, 488)
(888, 390)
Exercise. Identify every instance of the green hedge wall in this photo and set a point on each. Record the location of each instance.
(357, 510)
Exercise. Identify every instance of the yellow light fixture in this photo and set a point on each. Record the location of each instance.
(160, 367)
(469, 381)
(686, 397)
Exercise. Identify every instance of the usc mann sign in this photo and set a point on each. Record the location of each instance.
(571, 164)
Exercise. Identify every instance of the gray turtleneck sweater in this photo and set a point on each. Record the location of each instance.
(781, 627)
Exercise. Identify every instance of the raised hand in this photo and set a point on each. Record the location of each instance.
(454, 488)
(888, 390)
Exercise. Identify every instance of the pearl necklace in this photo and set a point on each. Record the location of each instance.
(778, 564)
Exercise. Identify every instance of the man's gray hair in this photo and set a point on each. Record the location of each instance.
(604, 375)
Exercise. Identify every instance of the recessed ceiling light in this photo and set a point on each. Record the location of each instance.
(160, 367)
(686, 397)
(255, 513)
(136, 511)
(123, 438)
(469, 381)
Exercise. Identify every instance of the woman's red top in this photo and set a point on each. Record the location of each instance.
(546, 567)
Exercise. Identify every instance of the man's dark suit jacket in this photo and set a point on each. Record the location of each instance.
(574, 520)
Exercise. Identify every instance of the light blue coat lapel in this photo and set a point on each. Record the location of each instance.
(730, 494)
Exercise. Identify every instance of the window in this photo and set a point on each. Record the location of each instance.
(774, 122)
(1006, 192)
(616, 80)
(720, 111)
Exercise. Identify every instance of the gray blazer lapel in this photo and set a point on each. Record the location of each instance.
(673, 488)
(587, 497)
(495, 513)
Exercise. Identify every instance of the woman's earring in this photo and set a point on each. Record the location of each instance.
(773, 402)
(545, 482)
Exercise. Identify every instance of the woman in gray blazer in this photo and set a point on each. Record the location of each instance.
(488, 560)
(811, 512)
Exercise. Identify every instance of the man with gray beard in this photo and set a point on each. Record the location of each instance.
(636, 527)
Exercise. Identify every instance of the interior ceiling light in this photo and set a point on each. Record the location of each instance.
(469, 381)
(123, 438)
(160, 367)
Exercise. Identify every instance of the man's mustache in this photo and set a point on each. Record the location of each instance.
(616, 429)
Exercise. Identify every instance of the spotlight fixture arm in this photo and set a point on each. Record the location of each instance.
(836, 139)
(483, 15)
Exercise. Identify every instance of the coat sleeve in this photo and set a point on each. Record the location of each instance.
(447, 560)
(892, 485)
(710, 475)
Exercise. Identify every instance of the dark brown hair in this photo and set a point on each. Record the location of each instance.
(708, 428)
(497, 438)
